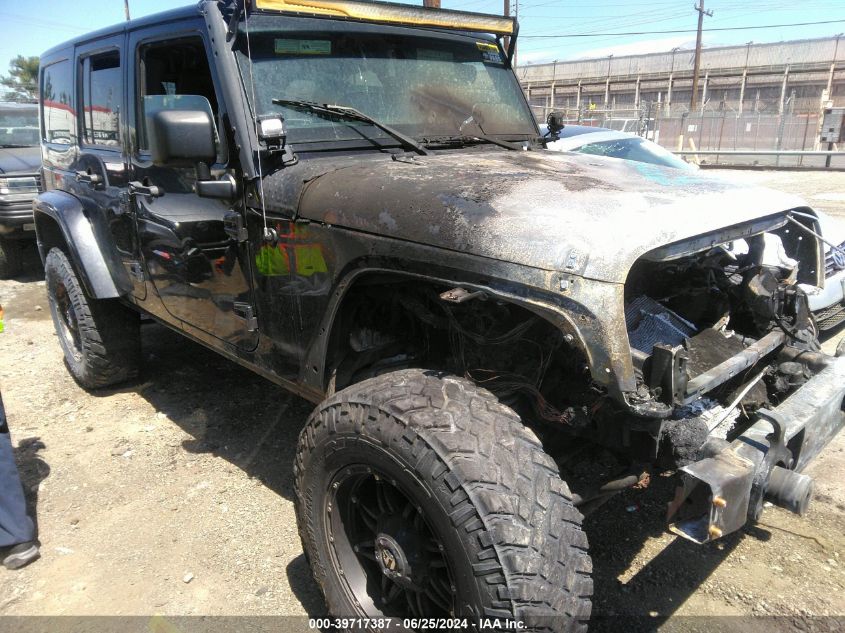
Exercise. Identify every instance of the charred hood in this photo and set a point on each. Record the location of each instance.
(587, 215)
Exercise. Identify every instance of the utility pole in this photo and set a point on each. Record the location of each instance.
(126, 8)
(507, 13)
(701, 13)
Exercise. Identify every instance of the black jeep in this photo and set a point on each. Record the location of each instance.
(20, 167)
(353, 200)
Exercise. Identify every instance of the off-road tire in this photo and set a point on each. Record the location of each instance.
(10, 258)
(496, 498)
(107, 347)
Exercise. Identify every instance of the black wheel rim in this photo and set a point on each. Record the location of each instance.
(68, 325)
(391, 561)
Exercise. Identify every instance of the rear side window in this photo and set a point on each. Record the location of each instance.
(102, 97)
(57, 104)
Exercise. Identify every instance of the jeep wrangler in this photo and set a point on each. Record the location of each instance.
(353, 200)
(20, 164)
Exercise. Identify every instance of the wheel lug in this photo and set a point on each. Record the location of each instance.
(335, 486)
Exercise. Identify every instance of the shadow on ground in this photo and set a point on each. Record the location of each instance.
(234, 414)
(32, 470)
(230, 412)
(618, 533)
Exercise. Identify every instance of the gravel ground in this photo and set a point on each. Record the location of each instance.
(173, 496)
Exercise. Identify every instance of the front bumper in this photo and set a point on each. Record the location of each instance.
(720, 493)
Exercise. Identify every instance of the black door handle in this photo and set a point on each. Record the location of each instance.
(89, 178)
(151, 191)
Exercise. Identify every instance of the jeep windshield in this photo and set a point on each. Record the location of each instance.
(18, 125)
(424, 86)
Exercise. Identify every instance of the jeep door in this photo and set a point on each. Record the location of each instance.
(201, 274)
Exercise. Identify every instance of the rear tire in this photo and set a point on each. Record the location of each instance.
(100, 338)
(10, 258)
(447, 494)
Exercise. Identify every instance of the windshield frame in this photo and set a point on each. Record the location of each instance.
(370, 138)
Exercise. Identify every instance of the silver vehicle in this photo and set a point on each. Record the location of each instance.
(20, 162)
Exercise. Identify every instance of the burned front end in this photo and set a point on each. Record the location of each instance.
(726, 354)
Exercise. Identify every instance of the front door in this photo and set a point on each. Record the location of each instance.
(201, 273)
(101, 169)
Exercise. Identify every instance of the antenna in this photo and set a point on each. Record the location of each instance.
(268, 234)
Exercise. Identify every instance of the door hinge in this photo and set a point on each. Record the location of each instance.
(136, 270)
(233, 225)
(247, 313)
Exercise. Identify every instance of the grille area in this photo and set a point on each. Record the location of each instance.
(829, 266)
(830, 317)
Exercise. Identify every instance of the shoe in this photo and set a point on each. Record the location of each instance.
(21, 555)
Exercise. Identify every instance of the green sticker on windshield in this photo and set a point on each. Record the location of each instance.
(489, 53)
(303, 47)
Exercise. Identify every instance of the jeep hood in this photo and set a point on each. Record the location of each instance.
(541, 209)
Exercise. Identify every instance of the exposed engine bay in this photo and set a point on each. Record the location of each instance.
(715, 335)
(703, 328)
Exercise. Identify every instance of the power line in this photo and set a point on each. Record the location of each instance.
(729, 28)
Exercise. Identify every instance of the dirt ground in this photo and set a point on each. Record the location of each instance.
(173, 496)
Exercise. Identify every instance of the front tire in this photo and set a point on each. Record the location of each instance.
(10, 258)
(420, 495)
(100, 338)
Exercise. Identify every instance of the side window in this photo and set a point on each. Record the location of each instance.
(175, 75)
(57, 111)
(102, 96)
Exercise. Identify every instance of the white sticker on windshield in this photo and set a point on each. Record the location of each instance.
(303, 47)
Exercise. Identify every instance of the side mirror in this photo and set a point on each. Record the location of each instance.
(555, 123)
(181, 137)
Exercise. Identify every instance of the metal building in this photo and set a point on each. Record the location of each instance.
(765, 78)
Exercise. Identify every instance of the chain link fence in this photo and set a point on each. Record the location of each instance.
(713, 129)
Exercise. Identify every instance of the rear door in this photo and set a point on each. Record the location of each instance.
(201, 274)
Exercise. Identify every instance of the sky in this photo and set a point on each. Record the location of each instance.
(32, 26)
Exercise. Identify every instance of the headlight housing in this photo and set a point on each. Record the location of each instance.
(15, 185)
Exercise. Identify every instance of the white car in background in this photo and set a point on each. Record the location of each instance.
(827, 304)
(600, 141)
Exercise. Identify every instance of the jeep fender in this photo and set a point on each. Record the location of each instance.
(77, 227)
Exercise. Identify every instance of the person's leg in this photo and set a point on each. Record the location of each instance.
(16, 528)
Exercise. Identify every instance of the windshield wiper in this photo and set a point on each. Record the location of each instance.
(348, 112)
(464, 139)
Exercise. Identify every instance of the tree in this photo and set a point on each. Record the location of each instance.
(22, 80)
